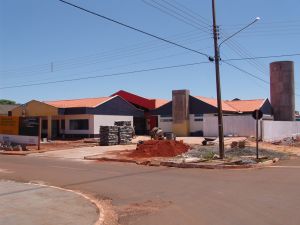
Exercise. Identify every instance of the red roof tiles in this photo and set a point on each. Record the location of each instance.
(141, 101)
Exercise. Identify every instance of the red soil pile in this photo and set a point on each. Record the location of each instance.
(159, 148)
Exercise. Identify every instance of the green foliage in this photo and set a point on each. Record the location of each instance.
(209, 155)
(7, 102)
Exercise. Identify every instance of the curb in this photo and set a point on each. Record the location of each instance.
(100, 220)
(14, 153)
(187, 165)
(23, 153)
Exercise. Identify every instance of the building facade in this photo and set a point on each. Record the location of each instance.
(78, 117)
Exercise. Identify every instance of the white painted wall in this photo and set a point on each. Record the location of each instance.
(195, 125)
(95, 121)
(165, 125)
(276, 130)
(19, 139)
(106, 120)
(243, 125)
(77, 117)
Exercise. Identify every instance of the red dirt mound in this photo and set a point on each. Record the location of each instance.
(159, 148)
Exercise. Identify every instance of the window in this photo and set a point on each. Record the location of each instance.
(82, 124)
(165, 116)
(44, 124)
(62, 124)
(166, 120)
(198, 117)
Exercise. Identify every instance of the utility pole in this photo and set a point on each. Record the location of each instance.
(218, 83)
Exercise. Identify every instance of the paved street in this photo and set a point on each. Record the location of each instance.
(32, 204)
(169, 196)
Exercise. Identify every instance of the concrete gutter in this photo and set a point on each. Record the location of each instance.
(203, 165)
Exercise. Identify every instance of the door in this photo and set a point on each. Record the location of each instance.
(55, 128)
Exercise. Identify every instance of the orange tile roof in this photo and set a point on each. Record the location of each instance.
(213, 102)
(235, 105)
(245, 105)
(73, 103)
(160, 102)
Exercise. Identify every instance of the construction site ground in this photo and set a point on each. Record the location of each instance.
(197, 156)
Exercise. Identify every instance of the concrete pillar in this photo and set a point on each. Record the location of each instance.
(282, 90)
(180, 112)
(49, 131)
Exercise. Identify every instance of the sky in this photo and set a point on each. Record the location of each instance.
(49, 41)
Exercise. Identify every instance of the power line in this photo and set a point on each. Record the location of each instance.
(192, 14)
(108, 68)
(173, 13)
(197, 15)
(263, 57)
(106, 75)
(133, 28)
(140, 48)
(251, 74)
(246, 72)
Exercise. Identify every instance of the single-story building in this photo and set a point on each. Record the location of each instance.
(185, 114)
(6, 108)
(78, 117)
(143, 124)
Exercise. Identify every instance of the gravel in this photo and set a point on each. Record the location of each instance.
(234, 153)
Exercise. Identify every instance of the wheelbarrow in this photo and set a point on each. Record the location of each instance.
(208, 140)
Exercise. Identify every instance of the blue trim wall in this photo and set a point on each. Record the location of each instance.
(114, 106)
(267, 108)
(199, 107)
(196, 107)
(117, 106)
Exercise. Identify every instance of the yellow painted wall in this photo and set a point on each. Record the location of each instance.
(35, 108)
(181, 129)
(9, 125)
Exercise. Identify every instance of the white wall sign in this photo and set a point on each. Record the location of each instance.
(19, 139)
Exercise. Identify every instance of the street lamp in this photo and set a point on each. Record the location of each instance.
(218, 83)
(244, 28)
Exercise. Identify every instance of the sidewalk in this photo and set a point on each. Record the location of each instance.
(30, 204)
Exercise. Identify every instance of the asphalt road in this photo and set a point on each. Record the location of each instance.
(158, 195)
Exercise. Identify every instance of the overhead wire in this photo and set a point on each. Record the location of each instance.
(179, 37)
(102, 76)
(237, 48)
(251, 74)
(134, 28)
(102, 59)
(177, 15)
(233, 45)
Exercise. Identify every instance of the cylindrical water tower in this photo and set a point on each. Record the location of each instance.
(282, 90)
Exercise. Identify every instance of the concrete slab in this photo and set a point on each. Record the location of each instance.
(80, 153)
(30, 204)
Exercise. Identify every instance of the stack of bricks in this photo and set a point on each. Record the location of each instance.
(121, 133)
(125, 132)
(109, 135)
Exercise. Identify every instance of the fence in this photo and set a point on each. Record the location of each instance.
(243, 126)
(277, 130)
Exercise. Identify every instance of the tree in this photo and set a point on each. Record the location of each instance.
(7, 102)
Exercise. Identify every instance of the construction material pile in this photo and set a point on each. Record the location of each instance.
(159, 148)
(125, 132)
(109, 135)
(121, 133)
(123, 123)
